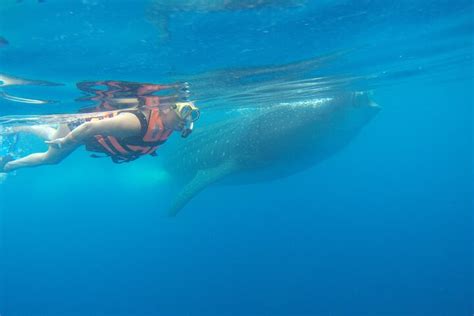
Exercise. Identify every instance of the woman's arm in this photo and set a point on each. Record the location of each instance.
(122, 125)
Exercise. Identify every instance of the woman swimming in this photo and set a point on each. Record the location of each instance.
(124, 135)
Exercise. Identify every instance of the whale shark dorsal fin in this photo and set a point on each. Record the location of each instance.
(202, 179)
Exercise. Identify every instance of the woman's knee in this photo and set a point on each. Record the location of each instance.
(54, 156)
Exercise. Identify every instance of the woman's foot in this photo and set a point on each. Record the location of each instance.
(3, 161)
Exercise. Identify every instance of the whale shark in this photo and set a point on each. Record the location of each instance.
(267, 143)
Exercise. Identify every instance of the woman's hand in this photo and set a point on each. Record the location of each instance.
(57, 143)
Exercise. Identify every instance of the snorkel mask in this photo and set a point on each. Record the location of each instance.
(189, 113)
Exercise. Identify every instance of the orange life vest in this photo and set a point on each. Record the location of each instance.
(153, 134)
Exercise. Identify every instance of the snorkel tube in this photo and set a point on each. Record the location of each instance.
(187, 129)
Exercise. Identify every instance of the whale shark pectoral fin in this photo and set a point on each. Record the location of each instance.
(202, 179)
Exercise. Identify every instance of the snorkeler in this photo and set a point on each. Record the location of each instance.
(124, 135)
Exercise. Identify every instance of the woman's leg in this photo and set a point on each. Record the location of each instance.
(51, 156)
(44, 132)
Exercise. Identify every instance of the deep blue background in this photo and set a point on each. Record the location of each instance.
(383, 228)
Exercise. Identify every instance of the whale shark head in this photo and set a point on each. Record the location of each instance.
(267, 143)
(297, 135)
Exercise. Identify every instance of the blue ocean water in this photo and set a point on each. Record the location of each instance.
(384, 227)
